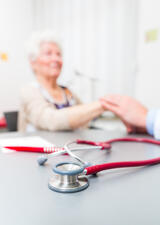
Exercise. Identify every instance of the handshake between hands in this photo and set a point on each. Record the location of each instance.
(132, 113)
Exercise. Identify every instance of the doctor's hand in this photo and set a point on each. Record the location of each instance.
(132, 113)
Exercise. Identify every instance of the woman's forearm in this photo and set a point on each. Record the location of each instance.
(80, 115)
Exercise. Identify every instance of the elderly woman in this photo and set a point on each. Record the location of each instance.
(46, 105)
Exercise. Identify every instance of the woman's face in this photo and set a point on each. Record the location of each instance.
(49, 60)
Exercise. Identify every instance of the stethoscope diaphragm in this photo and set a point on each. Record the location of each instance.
(68, 178)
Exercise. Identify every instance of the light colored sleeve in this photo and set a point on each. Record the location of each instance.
(153, 123)
(42, 114)
(77, 99)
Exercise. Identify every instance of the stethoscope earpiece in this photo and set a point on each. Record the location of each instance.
(42, 159)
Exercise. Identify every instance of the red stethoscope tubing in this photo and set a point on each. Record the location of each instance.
(113, 165)
(107, 144)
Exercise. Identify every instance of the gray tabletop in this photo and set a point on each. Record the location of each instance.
(114, 197)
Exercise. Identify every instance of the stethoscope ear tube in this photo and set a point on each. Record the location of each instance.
(113, 165)
(103, 145)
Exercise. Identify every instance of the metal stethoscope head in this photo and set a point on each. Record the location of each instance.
(69, 176)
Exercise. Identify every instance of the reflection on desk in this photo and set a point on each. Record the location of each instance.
(108, 122)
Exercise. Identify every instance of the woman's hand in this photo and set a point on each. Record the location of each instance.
(130, 111)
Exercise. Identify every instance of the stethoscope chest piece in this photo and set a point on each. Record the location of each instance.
(68, 178)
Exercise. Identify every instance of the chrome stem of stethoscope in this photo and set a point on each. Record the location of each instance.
(69, 176)
(66, 147)
(43, 158)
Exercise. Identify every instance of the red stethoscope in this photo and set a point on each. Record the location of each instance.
(71, 177)
(54, 151)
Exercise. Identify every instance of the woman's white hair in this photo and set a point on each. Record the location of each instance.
(33, 44)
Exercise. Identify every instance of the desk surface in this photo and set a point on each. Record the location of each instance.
(115, 197)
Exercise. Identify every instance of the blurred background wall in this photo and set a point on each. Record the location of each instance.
(147, 87)
(109, 46)
(16, 23)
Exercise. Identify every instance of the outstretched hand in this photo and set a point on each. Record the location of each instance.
(130, 111)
